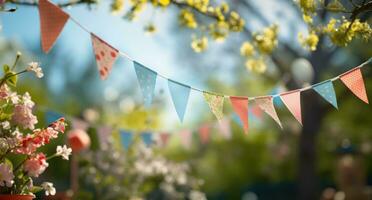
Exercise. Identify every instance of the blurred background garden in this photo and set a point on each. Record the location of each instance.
(243, 48)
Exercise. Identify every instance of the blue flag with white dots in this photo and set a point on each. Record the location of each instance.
(326, 90)
(147, 80)
(147, 138)
(180, 96)
(126, 138)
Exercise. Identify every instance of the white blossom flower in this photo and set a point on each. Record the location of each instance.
(5, 125)
(197, 195)
(35, 67)
(6, 175)
(49, 189)
(14, 98)
(63, 151)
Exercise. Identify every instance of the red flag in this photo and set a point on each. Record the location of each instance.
(164, 137)
(240, 105)
(204, 133)
(353, 79)
(52, 21)
(105, 54)
(186, 138)
(292, 100)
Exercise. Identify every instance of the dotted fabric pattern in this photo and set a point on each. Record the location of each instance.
(327, 91)
(240, 106)
(52, 21)
(147, 81)
(293, 102)
(105, 54)
(266, 104)
(215, 103)
(354, 81)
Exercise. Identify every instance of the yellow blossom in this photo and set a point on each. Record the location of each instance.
(236, 22)
(150, 29)
(255, 65)
(117, 6)
(267, 41)
(310, 42)
(199, 44)
(219, 31)
(246, 49)
(187, 18)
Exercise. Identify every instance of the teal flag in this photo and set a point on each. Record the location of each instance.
(326, 90)
(180, 96)
(147, 138)
(126, 138)
(147, 80)
(51, 116)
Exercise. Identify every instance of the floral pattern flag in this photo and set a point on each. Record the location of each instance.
(327, 91)
(240, 106)
(105, 54)
(215, 103)
(266, 104)
(147, 80)
(353, 79)
(180, 96)
(293, 102)
(52, 21)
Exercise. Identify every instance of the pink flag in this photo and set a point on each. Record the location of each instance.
(240, 105)
(292, 100)
(103, 135)
(186, 138)
(164, 138)
(105, 54)
(266, 104)
(52, 21)
(204, 133)
(224, 128)
(353, 79)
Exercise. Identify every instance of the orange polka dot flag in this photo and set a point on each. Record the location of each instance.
(353, 79)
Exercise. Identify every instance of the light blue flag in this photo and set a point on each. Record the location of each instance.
(147, 80)
(180, 96)
(126, 138)
(326, 90)
(147, 138)
(51, 116)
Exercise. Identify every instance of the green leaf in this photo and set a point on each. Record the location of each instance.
(9, 163)
(36, 189)
(11, 78)
(6, 68)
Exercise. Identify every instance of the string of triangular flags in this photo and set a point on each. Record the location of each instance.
(148, 137)
(53, 19)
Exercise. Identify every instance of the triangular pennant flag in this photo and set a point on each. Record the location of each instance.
(215, 103)
(79, 124)
(126, 138)
(164, 137)
(147, 80)
(147, 138)
(327, 91)
(293, 102)
(51, 116)
(52, 21)
(180, 96)
(105, 54)
(185, 136)
(224, 128)
(240, 106)
(353, 79)
(266, 104)
(255, 111)
(204, 133)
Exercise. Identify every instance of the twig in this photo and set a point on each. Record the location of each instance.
(70, 3)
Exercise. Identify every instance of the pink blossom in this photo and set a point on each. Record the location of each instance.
(4, 91)
(36, 165)
(23, 116)
(59, 125)
(6, 175)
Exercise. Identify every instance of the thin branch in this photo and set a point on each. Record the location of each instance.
(70, 3)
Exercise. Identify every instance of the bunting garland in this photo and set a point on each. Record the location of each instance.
(53, 19)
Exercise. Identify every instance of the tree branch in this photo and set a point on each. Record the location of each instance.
(70, 3)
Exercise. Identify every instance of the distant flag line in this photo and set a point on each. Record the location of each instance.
(54, 18)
